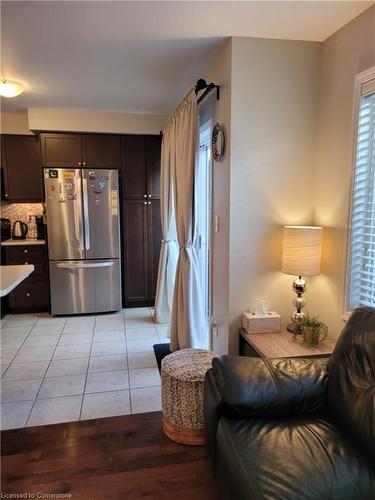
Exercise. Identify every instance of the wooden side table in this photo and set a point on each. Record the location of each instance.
(281, 345)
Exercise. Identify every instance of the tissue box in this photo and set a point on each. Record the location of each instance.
(261, 323)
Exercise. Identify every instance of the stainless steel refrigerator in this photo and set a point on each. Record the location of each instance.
(83, 229)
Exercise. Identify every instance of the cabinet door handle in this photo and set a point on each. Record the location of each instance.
(149, 196)
(83, 163)
(149, 203)
(145, 203)
(145, 196)
(79, 163)
(6, 195)
(28, 294)
(25, 251)
(26, 263)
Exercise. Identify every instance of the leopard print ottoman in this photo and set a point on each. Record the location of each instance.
(182, 379)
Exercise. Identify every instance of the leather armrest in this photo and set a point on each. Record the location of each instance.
(212, 405)
(255, 387)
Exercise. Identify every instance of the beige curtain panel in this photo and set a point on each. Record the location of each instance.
(188, 326)
(169, 250)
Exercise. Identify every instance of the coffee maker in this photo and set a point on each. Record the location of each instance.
(5, 229)
(40, 228)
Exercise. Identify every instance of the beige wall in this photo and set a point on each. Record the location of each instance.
(346, 53)
(15, 123)
(273, 125)
(78, 120)
(73, 120)
(219, 72)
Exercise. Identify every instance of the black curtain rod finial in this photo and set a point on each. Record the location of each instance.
(200, 85)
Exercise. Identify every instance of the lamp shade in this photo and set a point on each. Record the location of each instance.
(302, 250)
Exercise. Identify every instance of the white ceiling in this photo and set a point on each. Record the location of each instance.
(139, 56)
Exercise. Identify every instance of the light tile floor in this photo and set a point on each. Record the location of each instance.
(78, 367)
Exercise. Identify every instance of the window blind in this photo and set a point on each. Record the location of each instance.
(362, 245)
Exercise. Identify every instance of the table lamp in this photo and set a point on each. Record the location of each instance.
(302, 249)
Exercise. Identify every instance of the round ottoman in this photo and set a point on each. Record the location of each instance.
(182, 378)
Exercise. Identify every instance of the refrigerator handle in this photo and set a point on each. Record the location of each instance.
(86, 214)
(78, 222)
(81, 265)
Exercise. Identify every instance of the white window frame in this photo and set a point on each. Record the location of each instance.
(207, 127)
(359, 80)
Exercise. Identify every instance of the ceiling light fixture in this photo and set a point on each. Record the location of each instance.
(9, 88)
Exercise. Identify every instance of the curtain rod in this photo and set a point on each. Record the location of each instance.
(207, 87)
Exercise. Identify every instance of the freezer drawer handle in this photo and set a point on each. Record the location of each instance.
(86, 214)
(65, 265)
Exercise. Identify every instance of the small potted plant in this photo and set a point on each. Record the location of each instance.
(313, 330)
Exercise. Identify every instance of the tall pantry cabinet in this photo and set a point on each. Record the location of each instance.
(141, 235)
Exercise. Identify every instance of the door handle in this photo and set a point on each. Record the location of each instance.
(86, 214)
(81, 265)
(78, 223)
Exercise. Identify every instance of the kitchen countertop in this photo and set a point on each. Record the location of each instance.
(27, 241)
(11, 276)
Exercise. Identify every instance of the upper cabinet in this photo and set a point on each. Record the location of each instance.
(101, 151)
(153, 150)
(77, 150)
(134, 173)
(141, 167)
(21, 166)
(61, 150)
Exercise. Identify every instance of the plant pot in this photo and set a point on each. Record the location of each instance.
(314, 335)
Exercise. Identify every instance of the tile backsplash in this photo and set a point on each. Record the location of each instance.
(22, 211)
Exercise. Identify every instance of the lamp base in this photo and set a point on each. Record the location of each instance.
(299, 286)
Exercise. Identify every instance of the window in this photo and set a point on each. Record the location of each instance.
(203, 212)
(362, 237)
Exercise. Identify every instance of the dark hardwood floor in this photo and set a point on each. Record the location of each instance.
(110, 458)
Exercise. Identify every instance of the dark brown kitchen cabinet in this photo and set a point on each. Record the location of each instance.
(153, 150)
(141, 243)
(141, 218)
(81, 150)
(101, 151)
(61, 150)
(21, 167)
(141, 167)
(135, 247)
(32, 295)
(134, 173)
